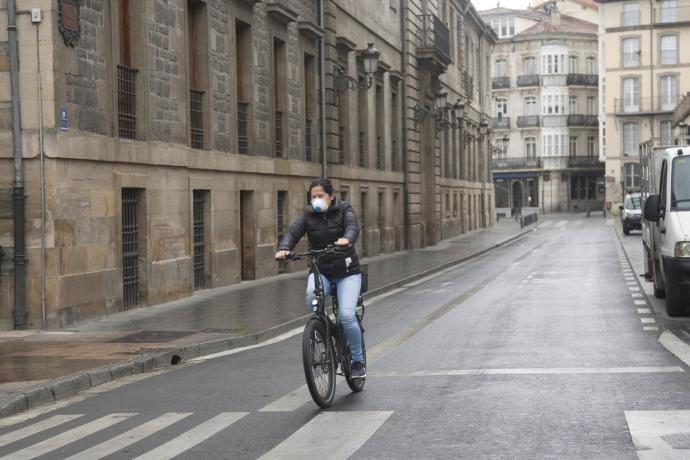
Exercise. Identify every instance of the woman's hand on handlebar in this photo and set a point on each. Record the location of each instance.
(342, 242)
(282, 255)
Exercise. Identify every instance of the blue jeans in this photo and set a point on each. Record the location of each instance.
(348, 294)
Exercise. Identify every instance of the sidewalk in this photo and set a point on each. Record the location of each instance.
(38, 367)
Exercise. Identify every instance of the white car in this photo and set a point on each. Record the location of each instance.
(631, 213)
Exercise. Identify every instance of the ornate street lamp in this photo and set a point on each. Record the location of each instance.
(438, 114)
(500, 148)
(483, 127)
(342, 81)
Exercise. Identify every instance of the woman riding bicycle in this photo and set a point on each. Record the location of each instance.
(328, 221)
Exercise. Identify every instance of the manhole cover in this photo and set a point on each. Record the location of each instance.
(678, 440)
(152, 337)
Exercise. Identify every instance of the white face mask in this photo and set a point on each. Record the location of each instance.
(320, 205)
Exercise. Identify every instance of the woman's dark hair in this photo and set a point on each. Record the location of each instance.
(322, 182)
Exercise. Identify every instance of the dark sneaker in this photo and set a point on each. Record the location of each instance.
(359, 371)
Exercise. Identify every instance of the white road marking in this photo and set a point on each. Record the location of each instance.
(546, 224)
(290, 402)
(636, 295)
(651, 432)
(633, 288)
(37, 427)
(266, 343)
(90, 393)
(640, 302)
(561, 224)
(578, 223)
(644, 311)
(650, 328)
(646, 320)
(536, 371)
(191, 438)
(67, 437)
(676, 346)
(340, 435)
(130, 437)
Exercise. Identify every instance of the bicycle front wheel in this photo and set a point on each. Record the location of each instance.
(319, 363)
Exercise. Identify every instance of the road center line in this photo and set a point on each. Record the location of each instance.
(535, 371)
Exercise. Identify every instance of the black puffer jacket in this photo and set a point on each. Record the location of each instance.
(340, 221)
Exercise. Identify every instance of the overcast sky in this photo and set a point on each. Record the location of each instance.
(488, 4)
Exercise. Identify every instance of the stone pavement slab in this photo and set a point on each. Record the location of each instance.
(39, 366)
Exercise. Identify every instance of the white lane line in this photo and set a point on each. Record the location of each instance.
(68, 437)
(191, 438)
(290, 402)
(640, 302)
(676, 346)
(266, 343)
(340, 435)
(644, 311)
(546, 224)
(647, 320)
(637, 295)
(536, 371)
(37, 427)
(561, 224)
(130, 437)
(633, 288)
(653, 433)
(650, 328)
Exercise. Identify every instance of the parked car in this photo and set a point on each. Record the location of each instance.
(631, 213)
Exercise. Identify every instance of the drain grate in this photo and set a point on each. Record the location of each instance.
(152, 337)
(678, 440)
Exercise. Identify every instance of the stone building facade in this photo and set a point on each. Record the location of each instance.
(646, 69)
(180, 137)
(545, 126)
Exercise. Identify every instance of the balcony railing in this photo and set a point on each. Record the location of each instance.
(500, 82)
(575, 162)
(583, 120)
(579, 79)
(528, 80)
(435, 40)
(528, 121)
(278, 134)
(630, 18)
(468, 85)
(242, 128)
(672, 15)
(516, 163)
(501, 123)
(642, 105)
(553, 80)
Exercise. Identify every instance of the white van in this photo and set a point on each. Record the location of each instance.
(667, 212)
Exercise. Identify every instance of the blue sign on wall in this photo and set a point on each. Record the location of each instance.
(63, 118)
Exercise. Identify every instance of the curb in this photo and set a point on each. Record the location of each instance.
(70, 385)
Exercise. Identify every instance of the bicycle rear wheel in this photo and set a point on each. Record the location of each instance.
(319, 363)
(356, 385)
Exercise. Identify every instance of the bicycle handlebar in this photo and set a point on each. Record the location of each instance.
(330, 249)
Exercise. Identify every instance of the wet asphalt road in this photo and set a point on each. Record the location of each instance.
(537, 350)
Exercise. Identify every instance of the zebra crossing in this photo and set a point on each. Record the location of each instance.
(339, 433)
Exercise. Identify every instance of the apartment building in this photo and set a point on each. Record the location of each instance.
(179, 137)
(545, 125)
(646, 68)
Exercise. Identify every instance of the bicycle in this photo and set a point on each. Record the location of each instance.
(324, 345)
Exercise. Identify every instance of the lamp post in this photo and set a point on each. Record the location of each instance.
(343, 82)
(438, 113)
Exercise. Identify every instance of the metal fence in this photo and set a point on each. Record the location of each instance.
(126, 102)
(196, 101)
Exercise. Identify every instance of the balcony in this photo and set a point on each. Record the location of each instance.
(554, 80)
(516, 163)
(468, 85)
(528, 80)
(555, 162)
(644, 106)
(501, 123)
(672, 15)
(434, 50)
(583, 120)
(500, 82)
(528, 121)
(580, 162)
(580, 79)
(554, 121)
